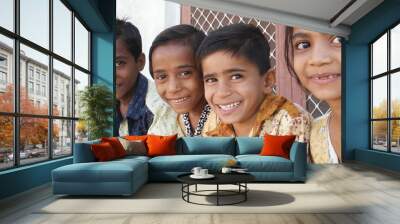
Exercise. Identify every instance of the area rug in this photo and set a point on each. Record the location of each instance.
(167, 198)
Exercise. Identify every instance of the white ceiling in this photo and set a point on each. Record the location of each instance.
(319, 15)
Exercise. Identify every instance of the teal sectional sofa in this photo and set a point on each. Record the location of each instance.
(125, 176)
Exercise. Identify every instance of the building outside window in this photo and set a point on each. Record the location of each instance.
(30, 72)
(3, 72)
(3, 78)
(30, 87)
(58, 125)
(43, 90)
(37, 75)
(385, 94)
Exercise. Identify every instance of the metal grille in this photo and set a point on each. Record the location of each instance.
(209, 20)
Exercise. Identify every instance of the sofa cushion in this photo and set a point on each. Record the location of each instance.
(98, 172)
(103, 152)
(275, 145)
(133, 147)
(83, 152)
(136, 137)
(185, 163)
(206, 145)
(116, 145)
(257, 163)
(161, 145)
(248, 145)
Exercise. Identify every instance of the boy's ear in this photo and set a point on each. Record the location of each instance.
(141, 61)
(269, 80)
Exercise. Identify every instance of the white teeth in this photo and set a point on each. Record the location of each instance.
(180, 100)
(229, 106)
(325, 77)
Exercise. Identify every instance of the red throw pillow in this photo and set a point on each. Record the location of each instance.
(161, 145)
(277, 145)
(116, 145)
(103, 152)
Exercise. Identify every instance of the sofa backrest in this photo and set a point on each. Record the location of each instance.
(249, 145)
(83, 152)
(206, 145)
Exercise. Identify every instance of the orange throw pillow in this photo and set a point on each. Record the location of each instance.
(136, 137)
(161, 145)
(116, 145)
(277, 145)
(103, 152)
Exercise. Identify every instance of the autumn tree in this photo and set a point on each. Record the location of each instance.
(33, 131)
(380, 127)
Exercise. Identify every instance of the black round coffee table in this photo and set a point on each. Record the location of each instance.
(238, 179)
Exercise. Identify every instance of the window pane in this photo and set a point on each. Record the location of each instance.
(62, 29)
(379, 135)
(379, 55)
(81, 81)
(395, 94)
(33, 139)
(379, 97)
(395, 136)
(81, 131)
(35, 21)
(62, 138)
(34, 97)
(6, 74)
(7, 14)
(81, 45)
(395, 47)
(6, 142)
(62, 89)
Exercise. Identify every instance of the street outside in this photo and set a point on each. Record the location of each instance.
(33, 155)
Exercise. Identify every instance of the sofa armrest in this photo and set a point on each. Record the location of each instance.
(298, 155)
(83, 152)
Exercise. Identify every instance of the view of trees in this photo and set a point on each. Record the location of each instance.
(33, 131)
(379, 127)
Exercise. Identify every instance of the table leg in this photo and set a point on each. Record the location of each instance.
(245, 191)
(217, 194)
(196, 188)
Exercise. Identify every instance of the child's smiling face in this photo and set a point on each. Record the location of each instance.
(176, 77)
(317, 63)
(127, 69)
(233, 87)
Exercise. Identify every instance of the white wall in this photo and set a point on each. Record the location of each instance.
(150, 17)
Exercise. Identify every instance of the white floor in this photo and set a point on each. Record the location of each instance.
(378, 189)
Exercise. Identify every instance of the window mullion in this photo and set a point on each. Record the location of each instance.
(50, 81)
(389, 113)
(73, 82)
(16, 84)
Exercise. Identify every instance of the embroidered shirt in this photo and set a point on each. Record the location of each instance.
(276, 116)
(139, 116)
(210, 124)
(321, 148)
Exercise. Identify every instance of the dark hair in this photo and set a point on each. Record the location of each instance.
(183, 34)
(289, 52)
(240, 39)
(130, 35)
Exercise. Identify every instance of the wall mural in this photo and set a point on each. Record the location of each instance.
(242, 77)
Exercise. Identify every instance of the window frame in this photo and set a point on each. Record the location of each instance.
(388, 74)
(16, 115)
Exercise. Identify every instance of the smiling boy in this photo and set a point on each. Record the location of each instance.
(238, 84)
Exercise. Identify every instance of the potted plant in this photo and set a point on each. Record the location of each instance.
(96, 103)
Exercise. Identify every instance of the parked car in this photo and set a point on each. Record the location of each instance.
(22, 155)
